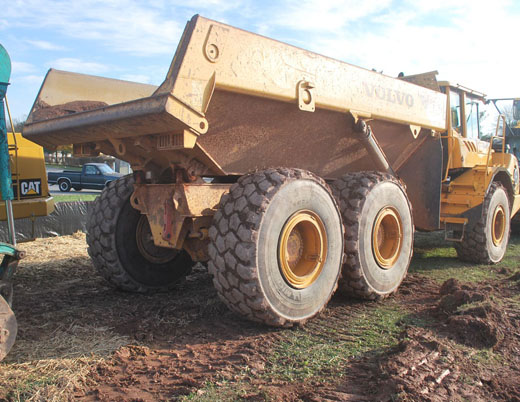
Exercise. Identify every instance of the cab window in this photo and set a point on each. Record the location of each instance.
(472, 119)
(90, 170)
(456, 122)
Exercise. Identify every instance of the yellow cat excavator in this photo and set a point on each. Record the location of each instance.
(24, 194)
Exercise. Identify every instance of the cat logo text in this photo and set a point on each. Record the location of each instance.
(31, 187)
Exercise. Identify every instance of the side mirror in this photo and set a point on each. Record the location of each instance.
(516, 109)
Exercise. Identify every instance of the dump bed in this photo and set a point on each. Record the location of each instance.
(236, 101)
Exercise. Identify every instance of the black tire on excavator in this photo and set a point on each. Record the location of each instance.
(121, 246)
(8, 328)
(276, 246)
(379, 233)
(486, 242)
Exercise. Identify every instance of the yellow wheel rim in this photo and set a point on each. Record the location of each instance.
(387, 237)
(498, 227)
(302, 249)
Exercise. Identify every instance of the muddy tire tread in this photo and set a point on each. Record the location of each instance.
(101, 239)
(473, 246)
(232, 248)
(350, 192)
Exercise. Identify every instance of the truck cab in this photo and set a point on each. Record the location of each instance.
(464, 124)
(471, 164)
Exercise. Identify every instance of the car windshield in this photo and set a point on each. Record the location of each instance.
(105, 169)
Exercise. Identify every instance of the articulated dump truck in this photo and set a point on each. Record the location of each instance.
(290, 174)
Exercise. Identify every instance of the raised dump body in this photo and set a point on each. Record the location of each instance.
(239, 99)
(233, 155)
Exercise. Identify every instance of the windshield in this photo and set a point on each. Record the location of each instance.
(105, 169)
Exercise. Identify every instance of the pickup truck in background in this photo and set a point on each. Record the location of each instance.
(93, 176)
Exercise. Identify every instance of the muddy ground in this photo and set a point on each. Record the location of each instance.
(451, 333)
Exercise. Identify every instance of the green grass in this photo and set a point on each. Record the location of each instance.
(322, 348)
(74, 197)
(29, 386)
(318, 352)
(220, 391)
(437, 259)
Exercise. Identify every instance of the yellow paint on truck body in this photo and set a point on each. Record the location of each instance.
(234, 101)
(31, 190)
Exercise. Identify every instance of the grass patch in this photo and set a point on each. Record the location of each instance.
(322, 348)
(75, 197)
(438, 260)
(319, 351)
(44, 380)
(220, 391)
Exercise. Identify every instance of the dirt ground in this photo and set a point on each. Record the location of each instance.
(438, 339)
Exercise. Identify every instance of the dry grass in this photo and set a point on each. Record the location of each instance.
(44, 380)
(73, 342)
(56, 348)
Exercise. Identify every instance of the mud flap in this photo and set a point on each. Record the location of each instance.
(8, 328)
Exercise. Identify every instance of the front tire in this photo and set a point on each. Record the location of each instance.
(64, 186)
(486, 242)
(121, 247)
(277, 246)
(378, 233)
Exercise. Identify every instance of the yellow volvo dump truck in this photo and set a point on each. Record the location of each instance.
(287, 172)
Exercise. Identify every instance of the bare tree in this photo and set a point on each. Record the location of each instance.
(18, 125)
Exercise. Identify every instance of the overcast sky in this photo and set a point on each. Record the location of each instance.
(470, 42)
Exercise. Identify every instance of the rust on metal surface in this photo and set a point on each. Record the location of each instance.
(174, 210)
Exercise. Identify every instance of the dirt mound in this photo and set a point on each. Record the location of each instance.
(474, 331)
(454, 295)
(481, 324)
(422, 368)
(45, 111)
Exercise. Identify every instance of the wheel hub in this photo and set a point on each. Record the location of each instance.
(498, 226)
(146, 246)
(387, 237)
(302, 249)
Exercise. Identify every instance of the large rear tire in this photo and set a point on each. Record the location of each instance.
(277, 246)
(486, 242)
(121, 247)
(378, 233)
